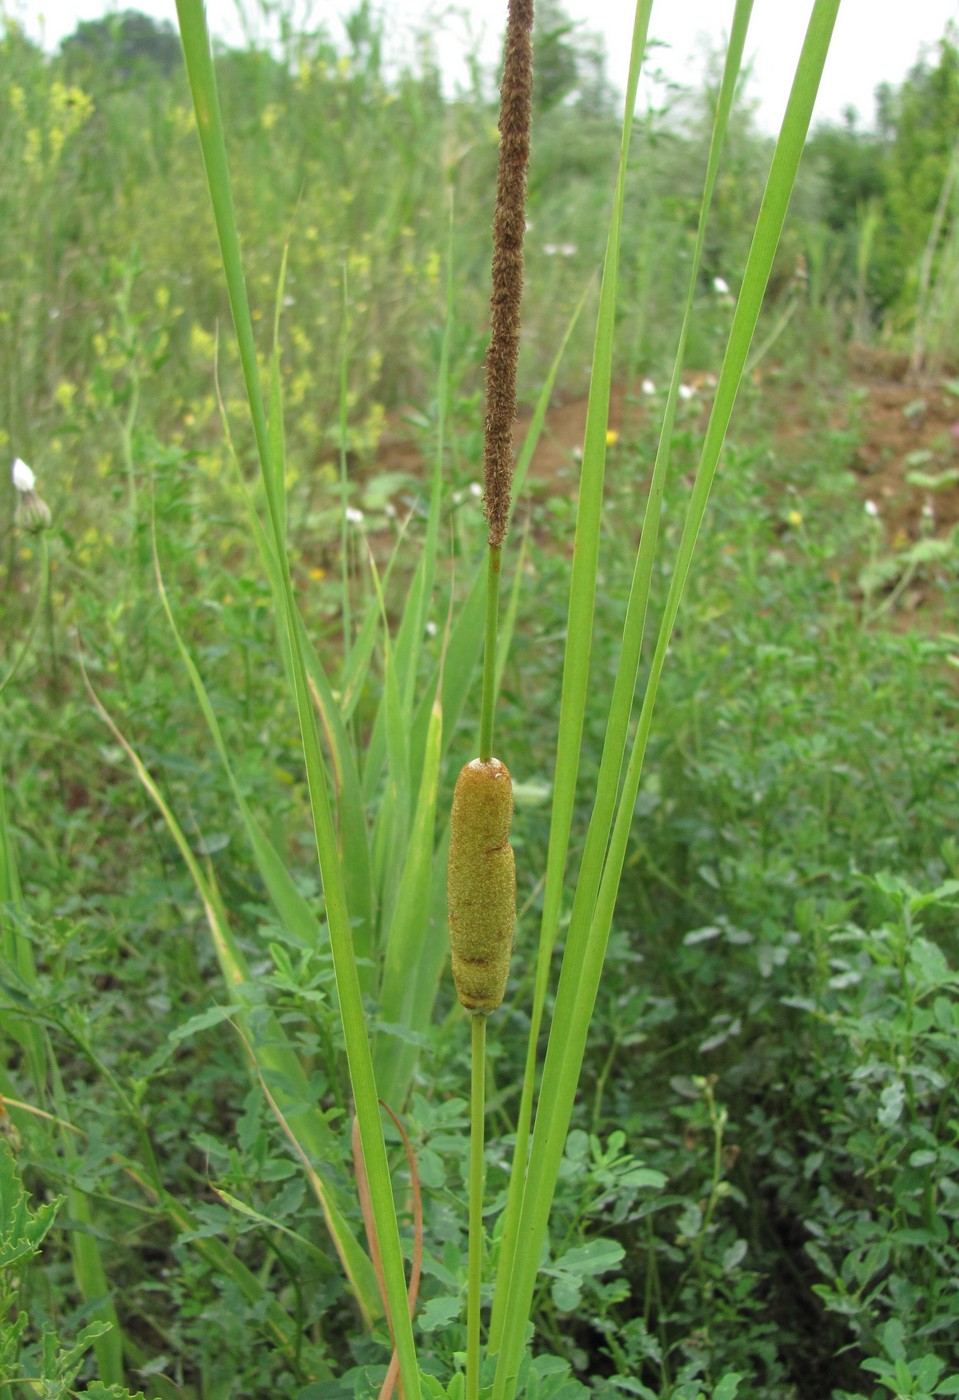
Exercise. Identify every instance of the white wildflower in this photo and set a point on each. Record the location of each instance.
(23, 478)
(476, 490)
(686, 391)
(32, 513)
(648, 387)
(721, 286)
(872, 509)
(354, 516)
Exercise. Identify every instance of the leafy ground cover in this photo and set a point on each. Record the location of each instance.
(758, 1195)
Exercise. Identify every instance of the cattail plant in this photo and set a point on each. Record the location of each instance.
(481, 885)
(359, 875)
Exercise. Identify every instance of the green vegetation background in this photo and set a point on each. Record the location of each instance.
(763, 1182)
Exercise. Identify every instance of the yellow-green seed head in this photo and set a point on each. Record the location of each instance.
(481, 884)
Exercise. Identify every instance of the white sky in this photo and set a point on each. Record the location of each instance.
(875, 40)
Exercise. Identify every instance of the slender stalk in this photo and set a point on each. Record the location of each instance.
(475, 1274)
(489, 656)
(344, 484)
(42, 608)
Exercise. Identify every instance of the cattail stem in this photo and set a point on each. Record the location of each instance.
(475, 1265)
(482, 918)
(489, 657)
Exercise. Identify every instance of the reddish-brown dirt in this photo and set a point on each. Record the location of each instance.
(907, 427)
(904, 427)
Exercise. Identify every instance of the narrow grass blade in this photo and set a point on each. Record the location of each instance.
(277, 432)
(353, 835)
(309, 1249)
(15, 946)
(357, 664)
(88, 1268)
(389, 1383)
(403, 951)
(412, 629)
(293, 910)
(507, 624)
(535, 428)
(391, 828)
(344, 484)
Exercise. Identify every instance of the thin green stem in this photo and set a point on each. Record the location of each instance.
(475, 1267)
(41, 609)
(489, 657)
(344, 484)
(46, 597)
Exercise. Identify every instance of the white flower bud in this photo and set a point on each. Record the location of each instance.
(23, 477)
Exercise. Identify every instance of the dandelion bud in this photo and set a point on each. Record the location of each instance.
(32, 513)
(481, 884)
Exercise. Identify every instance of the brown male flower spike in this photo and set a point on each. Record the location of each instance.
(509, 225)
